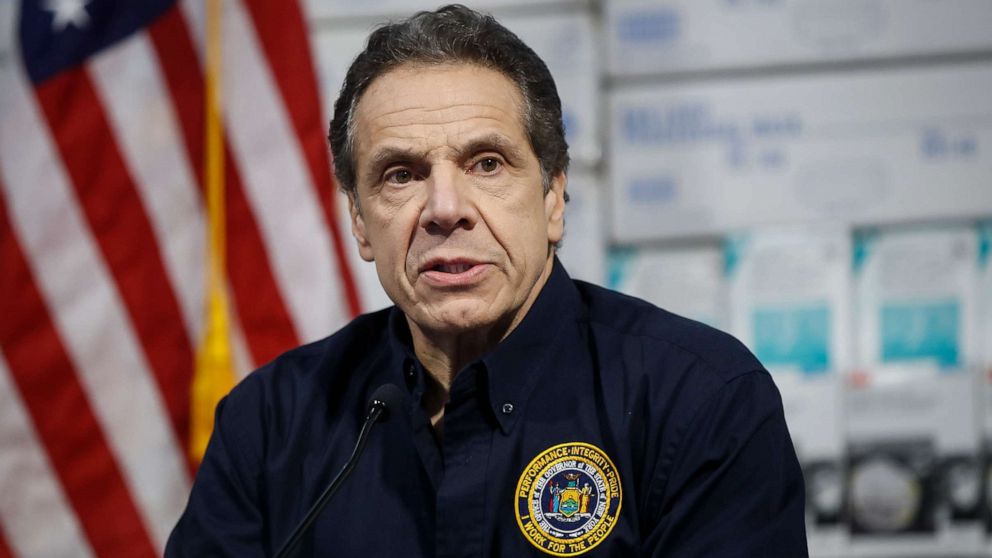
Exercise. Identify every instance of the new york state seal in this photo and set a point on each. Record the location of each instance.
(568, 499)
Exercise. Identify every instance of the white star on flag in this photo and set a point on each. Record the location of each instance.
(68, 12)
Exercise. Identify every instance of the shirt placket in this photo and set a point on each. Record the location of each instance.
(466, 443)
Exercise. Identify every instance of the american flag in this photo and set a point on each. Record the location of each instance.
(102, 241)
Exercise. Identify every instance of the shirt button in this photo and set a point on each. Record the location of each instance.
(507, 408)
(411, 371)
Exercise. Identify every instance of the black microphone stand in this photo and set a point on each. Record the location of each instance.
(376, 409)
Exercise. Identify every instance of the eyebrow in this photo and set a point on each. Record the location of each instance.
(491, 142)
(388, 155)
(488, 142)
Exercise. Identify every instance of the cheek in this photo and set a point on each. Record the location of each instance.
(391, 238)
(532, 215)
(521, 229)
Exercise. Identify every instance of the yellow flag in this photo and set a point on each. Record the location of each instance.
(214, 374)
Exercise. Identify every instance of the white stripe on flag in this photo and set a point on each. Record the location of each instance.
(88, 311)
(243, 363)
(194, 18)
(140, 112)
(36, 516)
(277, 182)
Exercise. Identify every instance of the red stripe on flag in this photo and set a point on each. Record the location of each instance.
(5, 551)
(283, 35)
(117, 219)
(61, 413)
(260, 306)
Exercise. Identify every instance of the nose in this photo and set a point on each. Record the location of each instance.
(449, 205)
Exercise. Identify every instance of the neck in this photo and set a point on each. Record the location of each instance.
(445, 353)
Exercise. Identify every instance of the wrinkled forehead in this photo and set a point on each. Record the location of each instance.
(414, 96)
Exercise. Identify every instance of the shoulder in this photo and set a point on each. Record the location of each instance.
(662, 372)
(688, 397)
(352, 342)
(286, 384)
(347, 346)
(666, 339)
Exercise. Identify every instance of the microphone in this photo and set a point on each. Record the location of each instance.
(385, 401)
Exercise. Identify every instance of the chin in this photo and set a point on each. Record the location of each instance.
(462, 316)
(463, 324)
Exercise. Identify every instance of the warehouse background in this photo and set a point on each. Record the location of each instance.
(814, 176)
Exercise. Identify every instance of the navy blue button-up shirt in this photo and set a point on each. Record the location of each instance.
(601, 426)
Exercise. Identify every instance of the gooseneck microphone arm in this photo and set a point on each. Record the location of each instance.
(386, 399)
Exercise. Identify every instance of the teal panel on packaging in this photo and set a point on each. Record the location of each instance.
(984, 243)
(921, 331)
(863, 241)
(734, 246)
(795, 337)
(618, 262)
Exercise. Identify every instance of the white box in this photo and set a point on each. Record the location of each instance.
(686, 281)
(790, 298)
(915, 383)
(985, 324)
(789, 303)
(583, 250)
(918, 301)
(985, 349)
(853, 148)
(658, 36)
(567, 43)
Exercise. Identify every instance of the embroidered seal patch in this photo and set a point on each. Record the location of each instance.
(568, 499)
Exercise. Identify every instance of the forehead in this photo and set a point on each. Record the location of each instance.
(415, 101)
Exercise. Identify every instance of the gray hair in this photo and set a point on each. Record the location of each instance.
(453, 34)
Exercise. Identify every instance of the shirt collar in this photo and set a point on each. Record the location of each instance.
(514, 365)
(404, 358)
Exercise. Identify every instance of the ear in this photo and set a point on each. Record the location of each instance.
(554, 207)
(358, 229)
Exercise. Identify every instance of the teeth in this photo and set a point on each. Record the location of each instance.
(452, 268)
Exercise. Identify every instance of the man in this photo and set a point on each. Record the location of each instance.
(541, 416)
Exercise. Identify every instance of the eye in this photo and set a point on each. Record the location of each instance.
(487, 165)
(399, 176)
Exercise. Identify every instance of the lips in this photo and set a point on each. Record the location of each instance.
(453, 272)
(453, 265)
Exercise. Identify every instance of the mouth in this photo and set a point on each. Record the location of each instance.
(452, 267)
(453, 272)
(449, 264)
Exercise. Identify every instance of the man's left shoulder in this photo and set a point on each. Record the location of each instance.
(659, 333)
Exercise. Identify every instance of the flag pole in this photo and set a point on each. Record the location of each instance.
(214, 373)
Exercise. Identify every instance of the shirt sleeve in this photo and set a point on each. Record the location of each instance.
(735, 488)
(223, 517)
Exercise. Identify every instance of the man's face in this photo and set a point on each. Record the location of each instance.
(451, 204)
